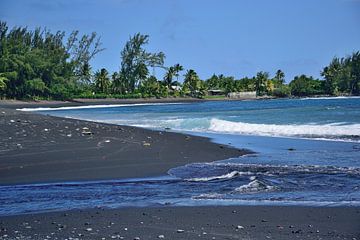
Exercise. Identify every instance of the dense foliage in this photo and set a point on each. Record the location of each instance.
(41, 64)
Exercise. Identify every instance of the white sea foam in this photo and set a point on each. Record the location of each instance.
(254, 187)
(326, 98)
(230, 175)
(92, 106)
(305, 130)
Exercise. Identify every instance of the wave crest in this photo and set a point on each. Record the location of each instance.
(331, 131)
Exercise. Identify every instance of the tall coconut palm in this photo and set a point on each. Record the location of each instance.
(169, 75)
(177, 69)
(260, 82)
(280, 76)
(102, 80)
(192, 81)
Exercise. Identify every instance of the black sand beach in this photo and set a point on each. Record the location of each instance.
(187, 223)
(37, 148)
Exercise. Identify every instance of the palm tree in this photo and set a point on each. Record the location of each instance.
(260, 82)
(192, 81)
(177, 68)
(280, 76)
(102, 80)
(169, 76)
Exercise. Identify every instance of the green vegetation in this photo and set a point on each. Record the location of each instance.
(40, 64)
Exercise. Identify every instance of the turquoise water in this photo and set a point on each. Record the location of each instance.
(324, 118)
(307, 152)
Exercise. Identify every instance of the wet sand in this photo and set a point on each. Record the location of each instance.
(37, 148)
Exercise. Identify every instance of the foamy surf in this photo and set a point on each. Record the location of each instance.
(255, 186)
(92, 106)
(326, 131)
(227, 176)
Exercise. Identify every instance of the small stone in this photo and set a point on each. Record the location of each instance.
(239, 227)
(263, 220)
(161, 236)
(89, 229)
(107, 141)
(46, 130)
(180, 231)
(125, 229)
(136, 238)
(146, 144)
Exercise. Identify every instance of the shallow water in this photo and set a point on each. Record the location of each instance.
(284, 170)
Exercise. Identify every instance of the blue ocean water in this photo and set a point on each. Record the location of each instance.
(307, 152)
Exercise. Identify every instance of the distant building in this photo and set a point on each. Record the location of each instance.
(215, 92)
(242, 95)
(175, 88)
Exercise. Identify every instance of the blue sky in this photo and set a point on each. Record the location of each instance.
(238, 38)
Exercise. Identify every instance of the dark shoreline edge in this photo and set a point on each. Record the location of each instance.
(214, 222)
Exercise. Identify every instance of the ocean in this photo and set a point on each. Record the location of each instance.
(306, 152)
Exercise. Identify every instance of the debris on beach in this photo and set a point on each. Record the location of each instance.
(146, 144)
(180, 231)
(86, 131)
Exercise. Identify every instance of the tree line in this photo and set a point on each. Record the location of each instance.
(40, 64)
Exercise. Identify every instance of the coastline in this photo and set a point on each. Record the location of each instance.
(37, 148)
(52, 156)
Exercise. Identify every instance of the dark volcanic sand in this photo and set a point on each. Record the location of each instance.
(38, 148)
(196, 222)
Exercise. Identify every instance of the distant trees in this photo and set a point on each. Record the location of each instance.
(43, 64)
(306, 86)
(342, 75)
(135, 61)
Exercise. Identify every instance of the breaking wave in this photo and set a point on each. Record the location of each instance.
(327, 131)
(227, 176)
(92, 106)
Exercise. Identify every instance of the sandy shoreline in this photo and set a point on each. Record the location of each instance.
(37, 148)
